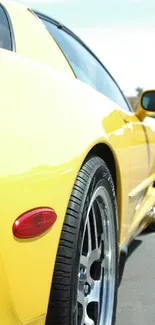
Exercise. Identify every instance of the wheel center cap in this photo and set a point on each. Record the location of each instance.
(83, 284)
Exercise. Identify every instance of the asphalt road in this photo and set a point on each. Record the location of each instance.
(136, 298)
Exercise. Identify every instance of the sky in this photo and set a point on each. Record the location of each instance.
(120, 32)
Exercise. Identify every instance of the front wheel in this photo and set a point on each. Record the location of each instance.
(84, 286)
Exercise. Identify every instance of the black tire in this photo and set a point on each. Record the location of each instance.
(62, 307)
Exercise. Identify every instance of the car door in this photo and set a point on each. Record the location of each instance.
(140, 159)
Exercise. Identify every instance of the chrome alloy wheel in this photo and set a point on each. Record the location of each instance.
(97, 270)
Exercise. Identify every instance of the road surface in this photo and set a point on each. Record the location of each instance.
(136, 298)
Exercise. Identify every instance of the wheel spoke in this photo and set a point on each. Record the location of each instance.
(84, 261)
(94, 295)
(95, 255)
(95, 226)
(81, 299)
(88, 321)
(89, 237)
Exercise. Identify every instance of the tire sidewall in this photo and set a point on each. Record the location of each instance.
(99, 176)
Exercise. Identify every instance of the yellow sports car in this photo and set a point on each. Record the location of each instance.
(77, 173)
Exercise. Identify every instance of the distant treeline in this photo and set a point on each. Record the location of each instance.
(134, 100)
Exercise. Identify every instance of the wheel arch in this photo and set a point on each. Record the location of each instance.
(103, 151)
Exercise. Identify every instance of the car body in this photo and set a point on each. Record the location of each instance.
(50, 122)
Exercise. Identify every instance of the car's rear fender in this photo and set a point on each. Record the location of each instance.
(48, 125)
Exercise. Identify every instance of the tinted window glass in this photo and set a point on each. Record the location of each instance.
(5, 36)
(85, 65)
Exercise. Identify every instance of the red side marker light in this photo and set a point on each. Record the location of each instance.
(34, 223)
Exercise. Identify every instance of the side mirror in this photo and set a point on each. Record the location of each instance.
(147, 105)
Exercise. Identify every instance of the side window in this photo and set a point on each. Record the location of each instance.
(110, 89)
(85, 65)
(5, 34)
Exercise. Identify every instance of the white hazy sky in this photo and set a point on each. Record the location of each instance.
(120, 32)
